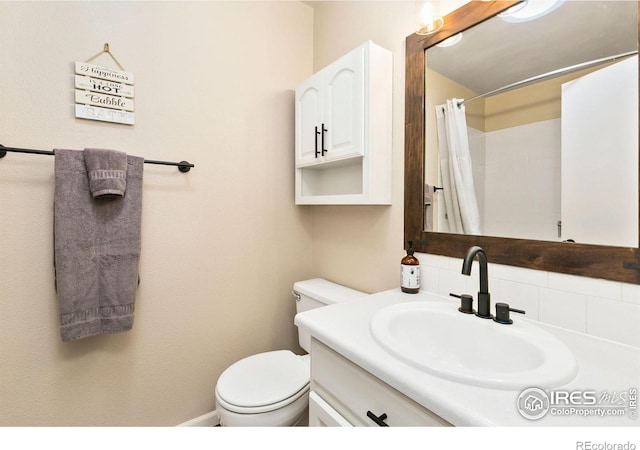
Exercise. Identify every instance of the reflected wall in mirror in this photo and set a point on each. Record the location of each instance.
(537, 165)
(538, 171)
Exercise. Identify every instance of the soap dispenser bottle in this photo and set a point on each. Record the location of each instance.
(410, 272)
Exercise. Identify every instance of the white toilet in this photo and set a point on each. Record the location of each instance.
(272, 388)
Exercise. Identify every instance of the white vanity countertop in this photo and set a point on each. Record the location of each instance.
(603, 367)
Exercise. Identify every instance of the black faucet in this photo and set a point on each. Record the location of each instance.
(484, 298)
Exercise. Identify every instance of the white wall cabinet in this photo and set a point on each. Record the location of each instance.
(343, 127)
(329, 110)
(343, 394)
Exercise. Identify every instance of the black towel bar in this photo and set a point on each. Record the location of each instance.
(183, 166)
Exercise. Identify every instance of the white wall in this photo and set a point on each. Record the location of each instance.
(221, 245)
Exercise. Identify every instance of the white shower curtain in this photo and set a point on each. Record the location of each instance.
(461, 206)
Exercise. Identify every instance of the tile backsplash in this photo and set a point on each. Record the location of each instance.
(607, 309)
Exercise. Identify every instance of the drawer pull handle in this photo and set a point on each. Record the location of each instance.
(378, 419)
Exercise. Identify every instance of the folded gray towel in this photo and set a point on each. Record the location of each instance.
(107, 170)
(97, 249)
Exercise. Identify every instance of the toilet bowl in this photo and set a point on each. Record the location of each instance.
(272, 388)
(267, 389)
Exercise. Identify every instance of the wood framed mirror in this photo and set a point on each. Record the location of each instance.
(597, 261)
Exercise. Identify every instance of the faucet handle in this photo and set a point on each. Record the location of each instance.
(466, 303)
(502, 313)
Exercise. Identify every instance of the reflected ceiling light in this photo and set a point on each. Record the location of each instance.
(428, 20)
(530, 10)
(514, 9)
(453, 40)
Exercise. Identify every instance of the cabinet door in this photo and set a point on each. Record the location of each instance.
(344, 107)
(308, 121)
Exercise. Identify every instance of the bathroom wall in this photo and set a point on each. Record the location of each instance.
(362, 247)
(221, 245)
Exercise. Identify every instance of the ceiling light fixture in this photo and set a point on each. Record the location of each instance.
(453, 40)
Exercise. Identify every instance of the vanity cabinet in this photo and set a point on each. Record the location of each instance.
(343, 394)
(343, 130)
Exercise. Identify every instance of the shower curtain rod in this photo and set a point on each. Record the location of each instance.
(549, 74)
(183, 166)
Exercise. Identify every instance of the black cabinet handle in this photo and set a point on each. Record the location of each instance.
(378, 419)
(324, 130)
(316, 141)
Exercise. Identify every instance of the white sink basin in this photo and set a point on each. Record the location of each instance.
(435, 337)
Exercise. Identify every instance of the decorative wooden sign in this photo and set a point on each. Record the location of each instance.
(106, 101)
(104, 114)
(104, 86)
(104, 94)
(83, 68)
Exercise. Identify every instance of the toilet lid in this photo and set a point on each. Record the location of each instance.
(263, 379)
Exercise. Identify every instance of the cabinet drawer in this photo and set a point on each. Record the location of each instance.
(352, 392)
(321, 414)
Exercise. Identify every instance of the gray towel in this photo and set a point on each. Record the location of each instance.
(107, 171)
(97, 249)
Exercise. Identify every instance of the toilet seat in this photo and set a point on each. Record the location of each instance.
(263, 382)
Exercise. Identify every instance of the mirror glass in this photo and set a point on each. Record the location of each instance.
(550, 119)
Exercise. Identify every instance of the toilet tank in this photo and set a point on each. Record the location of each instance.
(317, 292)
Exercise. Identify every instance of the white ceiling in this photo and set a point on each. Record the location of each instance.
(497, 53)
